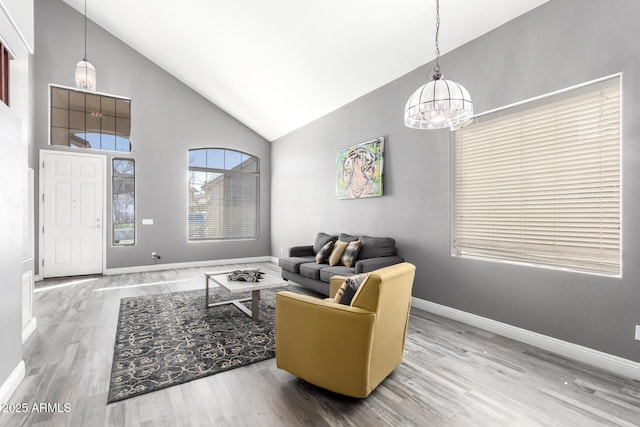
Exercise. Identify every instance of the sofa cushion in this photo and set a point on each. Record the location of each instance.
(375, 247)
(351, 253)
(347, 237)
(293, 263)
(311, 270)
(336, 254)
(328, 272)
(322, 257)
(321, 241)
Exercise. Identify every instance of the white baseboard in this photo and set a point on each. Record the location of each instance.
(193, 264)
(604, 361)
(29, 328)
(274, 259)
(12, 383)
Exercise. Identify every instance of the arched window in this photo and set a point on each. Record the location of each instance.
(223, 194)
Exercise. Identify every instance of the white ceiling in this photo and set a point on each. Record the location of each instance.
(277, 65)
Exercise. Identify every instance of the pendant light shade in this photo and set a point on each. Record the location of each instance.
(85, 72)
(439, 103)
(85, 76)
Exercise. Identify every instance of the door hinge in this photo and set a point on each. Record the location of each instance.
(43, 164)
(43, 262)
(43, 197)
(42, 229)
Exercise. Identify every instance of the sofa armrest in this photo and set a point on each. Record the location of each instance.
(323, 342)
(300, 251)
(371, 264)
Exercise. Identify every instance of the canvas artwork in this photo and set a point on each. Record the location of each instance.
(359, 170)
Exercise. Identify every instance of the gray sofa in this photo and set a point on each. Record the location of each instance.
(301, 266)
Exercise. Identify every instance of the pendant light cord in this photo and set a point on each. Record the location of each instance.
(437, 74)
(85, 30)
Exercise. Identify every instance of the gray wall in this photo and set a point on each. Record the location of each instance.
(168, 118)
(560, 44)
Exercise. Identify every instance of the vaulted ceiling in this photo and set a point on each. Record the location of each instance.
(276, 65)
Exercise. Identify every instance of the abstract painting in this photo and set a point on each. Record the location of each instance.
(359, 170)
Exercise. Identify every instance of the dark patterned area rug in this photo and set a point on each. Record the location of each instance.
(169, 339)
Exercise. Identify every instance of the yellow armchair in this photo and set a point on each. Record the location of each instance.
(346, 349)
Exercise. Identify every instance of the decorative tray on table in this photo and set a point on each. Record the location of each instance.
(245, 276)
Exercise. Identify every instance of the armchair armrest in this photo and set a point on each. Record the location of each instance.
(370, 264)
(300, 251)
(322, 342)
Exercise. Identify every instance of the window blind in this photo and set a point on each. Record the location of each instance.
(540, 182)
(223, 195)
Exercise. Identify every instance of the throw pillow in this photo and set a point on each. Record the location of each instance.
(340, 292)
(348, 289)
(351, 253)
(324, 252)
(321, 240)
(336, 254)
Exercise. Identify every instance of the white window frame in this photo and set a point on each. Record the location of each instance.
(135, 204)
(476, 241)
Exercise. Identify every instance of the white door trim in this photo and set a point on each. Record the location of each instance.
(105, 222)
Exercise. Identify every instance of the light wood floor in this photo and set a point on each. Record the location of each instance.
(452, 375)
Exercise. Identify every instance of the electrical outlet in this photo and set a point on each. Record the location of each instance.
(637, 332)
(154, 255)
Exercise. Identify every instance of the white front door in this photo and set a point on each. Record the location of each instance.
(72, 207)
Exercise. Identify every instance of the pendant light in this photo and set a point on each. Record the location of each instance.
(439, 103)
(85, 72)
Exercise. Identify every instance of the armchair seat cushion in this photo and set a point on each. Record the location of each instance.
(293, 263)
(312, 270)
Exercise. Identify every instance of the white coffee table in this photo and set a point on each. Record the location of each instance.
(234, 287)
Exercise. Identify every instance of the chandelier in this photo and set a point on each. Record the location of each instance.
(440, 103)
